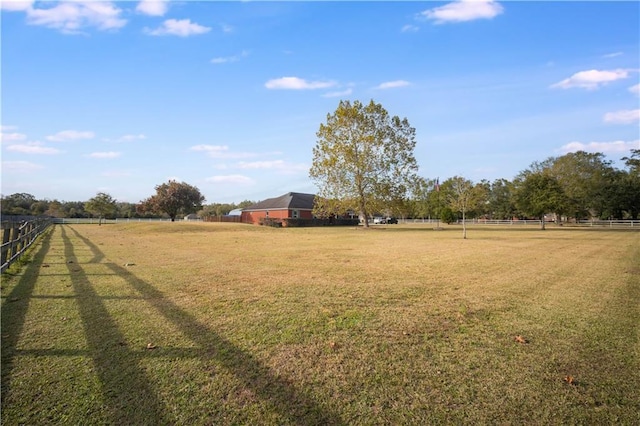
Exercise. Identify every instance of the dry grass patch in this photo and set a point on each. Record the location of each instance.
(400, 325)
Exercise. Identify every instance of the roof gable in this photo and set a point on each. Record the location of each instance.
(290, 200)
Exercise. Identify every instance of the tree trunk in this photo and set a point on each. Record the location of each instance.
(464, 226)
(542, 227)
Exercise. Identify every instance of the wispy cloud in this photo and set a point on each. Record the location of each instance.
(231, 179)
(345, 92)
(228, 59)
(635, 89)
(33, 148)
(70, 135)
(221, 152)
(278, 165)
(11, 137)
(392, 84)
(591, 79)
(295, 83)
(409, 28)
(105, 155)
(603, 147)
(16, 5)
(463, 11)
(131, 138)
(612, 55)
(622, 117)
(72, 17)
(153, 7)
(116, 173)
(20, 166)
(178, 27)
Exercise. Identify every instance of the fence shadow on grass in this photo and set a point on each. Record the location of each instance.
(14, 311)
(291, 404)
(125, 385)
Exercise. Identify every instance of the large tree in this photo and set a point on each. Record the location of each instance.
(363, 160)
(539, 193)
(173, 198)
(102, 205)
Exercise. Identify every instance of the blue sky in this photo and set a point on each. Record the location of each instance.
(119, 97)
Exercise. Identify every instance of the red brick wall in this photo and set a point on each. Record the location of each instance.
(255, 216)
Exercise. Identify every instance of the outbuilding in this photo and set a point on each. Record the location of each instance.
(293, 205)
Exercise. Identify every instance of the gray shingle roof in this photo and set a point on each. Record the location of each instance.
(291, 200)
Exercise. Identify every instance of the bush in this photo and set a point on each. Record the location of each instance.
(267, 221)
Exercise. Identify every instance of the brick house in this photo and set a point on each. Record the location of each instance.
(293, 205)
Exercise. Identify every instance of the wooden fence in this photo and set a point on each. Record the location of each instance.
(17, 237)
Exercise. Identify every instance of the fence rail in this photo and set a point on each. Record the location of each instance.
(17, 237)
(521, 222)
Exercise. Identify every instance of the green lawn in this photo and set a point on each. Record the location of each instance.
(208, 323)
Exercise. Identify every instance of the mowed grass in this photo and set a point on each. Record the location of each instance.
(190, 323)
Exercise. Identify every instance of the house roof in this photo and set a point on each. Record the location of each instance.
(291, 200)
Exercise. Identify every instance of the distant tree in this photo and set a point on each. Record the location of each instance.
(174, 198)
(363, 160)
(583, 177)
(17, 204)
(102, 205)
(633, 161)
(245, 204)
(462, 197)
(539, 193)
(629, 189)
(55, 209)
(501, 200)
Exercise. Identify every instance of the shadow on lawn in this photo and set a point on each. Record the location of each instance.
(14, 311)
(117, 364)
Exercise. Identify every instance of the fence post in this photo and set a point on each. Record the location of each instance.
(6, 235)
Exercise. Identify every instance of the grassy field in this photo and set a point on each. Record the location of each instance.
(189, 323)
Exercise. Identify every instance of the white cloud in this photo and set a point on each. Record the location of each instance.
(226, 28)
(221, 152)
(622, 117)
(181, 28)
(231, 179)
(70, 135)
(409, 28)
(20, 166)
(346, 92)
(153, 7)
(12, 137)
(612, 55)
(228, 59)
(108, 155)
(393, 84)
(72, 17)
(603, 147)
(463, 11)
(16, 5)
(295, 83)
(278, 165)
(32, 148)
(591, 79)
(131, 138)
(635, 89)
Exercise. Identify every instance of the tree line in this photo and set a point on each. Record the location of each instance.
(171, 199)
(363, 163)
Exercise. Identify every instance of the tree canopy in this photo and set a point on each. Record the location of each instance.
(363, 160)
(540, 193)
(174, 198)
(102, 205)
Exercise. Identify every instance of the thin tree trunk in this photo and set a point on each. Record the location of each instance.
(464, 226)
